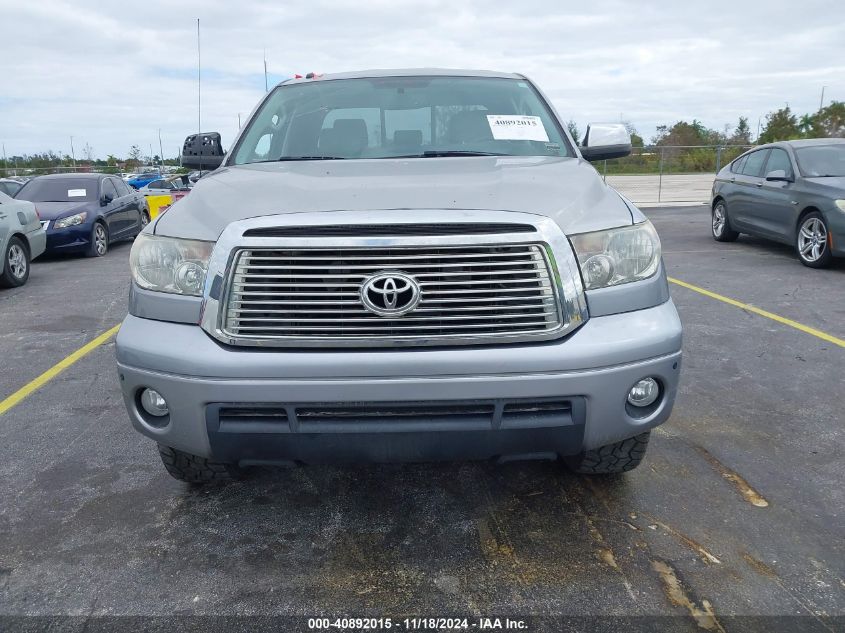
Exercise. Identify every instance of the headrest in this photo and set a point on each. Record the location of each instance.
(346, 139)
(469, 125)
(411, 138)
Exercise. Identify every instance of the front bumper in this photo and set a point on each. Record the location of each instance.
(69, 240)
(592, 369)
(836, 226)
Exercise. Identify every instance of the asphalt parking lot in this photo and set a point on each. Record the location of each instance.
(738, 510)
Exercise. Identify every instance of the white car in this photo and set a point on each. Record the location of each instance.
(22, 239)
(164, 186)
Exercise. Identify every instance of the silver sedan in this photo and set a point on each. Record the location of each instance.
(22, 239)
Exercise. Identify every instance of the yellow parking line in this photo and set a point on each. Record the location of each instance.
(32, 386)
(769, 315)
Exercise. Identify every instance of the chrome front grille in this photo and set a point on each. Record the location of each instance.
(473, 293)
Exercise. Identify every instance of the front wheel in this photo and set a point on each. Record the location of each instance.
(720, 226)
(99, 241)
(611, 458)
(194, 469)
(812, 242)
(15, 269)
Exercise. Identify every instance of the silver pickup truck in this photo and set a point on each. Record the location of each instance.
(400, 266)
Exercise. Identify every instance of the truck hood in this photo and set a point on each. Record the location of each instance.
(568, 190)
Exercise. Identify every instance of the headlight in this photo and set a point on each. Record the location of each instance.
(617, 256)
(167, 264)
(840, 204)
(71, 220)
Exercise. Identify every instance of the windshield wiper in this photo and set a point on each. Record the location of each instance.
(283, 159)
(446, 153)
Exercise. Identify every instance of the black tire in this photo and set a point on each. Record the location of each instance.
(720, 225)
(195, 470)
(145, 220)
(15, 269)
(611, 458)
(814, 254)
(99, 240)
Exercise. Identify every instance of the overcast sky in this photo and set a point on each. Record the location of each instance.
(113, 74)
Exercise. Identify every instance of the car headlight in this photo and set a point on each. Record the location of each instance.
(168, 264)
(840, 204)
(617, 256)
(71, 220)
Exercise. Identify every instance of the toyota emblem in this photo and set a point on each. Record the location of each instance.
(390, 293)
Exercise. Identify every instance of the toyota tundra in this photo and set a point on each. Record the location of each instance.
(400, 266)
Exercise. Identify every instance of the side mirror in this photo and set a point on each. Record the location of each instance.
(604, 141)
(106, 199)
(202, 151)
(778, 174)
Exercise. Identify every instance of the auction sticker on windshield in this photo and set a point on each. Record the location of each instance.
(508, 127)
(76, 193)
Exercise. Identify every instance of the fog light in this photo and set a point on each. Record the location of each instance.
(153, 403)
(644, 393)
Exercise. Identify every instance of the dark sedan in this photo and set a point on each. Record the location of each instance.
(791, 192)
(84, 213)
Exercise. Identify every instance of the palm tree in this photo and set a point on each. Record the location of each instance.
(805, 124)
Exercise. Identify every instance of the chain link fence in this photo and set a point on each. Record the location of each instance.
(666, 174)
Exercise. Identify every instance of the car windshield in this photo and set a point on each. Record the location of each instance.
(821, 160)
(59, 190)
(388, 117)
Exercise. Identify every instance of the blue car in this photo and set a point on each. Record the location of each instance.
(143, 180)
(84, 213)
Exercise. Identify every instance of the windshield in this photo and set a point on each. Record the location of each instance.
(59, 190)
(388, 117)
(821, 160)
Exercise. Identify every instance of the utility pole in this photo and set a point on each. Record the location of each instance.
(759, 121)
(199, 91)
(161, 152)
(821, 101)
(72, 153)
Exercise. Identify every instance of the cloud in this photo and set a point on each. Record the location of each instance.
(112, 75)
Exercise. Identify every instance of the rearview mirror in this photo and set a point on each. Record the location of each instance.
(778, 174)
(604, 141)
(202, 151)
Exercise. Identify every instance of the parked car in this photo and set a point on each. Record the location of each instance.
(195, 175)
(165, 186)
(791, 192)
(84, 213)
(142, 180)
(10, 186)
(400, 265)
(22, 239)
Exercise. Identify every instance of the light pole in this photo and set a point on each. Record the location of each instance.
(161, 152)
(72, 153)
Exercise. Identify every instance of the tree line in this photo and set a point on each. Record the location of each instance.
(665, 145)
(50, 159)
